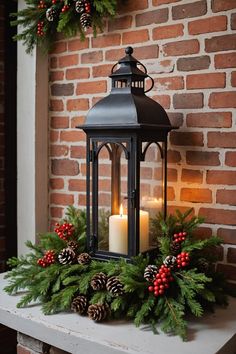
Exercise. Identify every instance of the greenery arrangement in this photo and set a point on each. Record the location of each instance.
(41, 20)
(181, 279)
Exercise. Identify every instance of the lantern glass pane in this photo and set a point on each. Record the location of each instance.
(151, 191)
(112, 205)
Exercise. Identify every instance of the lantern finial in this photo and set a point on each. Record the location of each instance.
(129, 50)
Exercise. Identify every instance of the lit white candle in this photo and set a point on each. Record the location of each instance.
(118, 233)
(152, 203)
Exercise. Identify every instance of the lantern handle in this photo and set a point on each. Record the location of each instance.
(112, 69)
(151, 84)
(144, 67)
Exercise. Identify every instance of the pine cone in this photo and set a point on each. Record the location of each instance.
(98, 312)
(85, 20)
(175, 248)
(98, 281)
(66, 256)
(150, 272)
(170, 261)
(80, 6)
(114, 286)
(79, 304)
(51, 14)
(203, 265)
(84, 258)
(73, 245)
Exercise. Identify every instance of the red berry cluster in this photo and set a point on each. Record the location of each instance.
(87, 6)
(161, 283)
(179, 237)
(65, 8)
(182, 260)
(48, 259)
(41, 4)
(64, 231)
(54, 2)
(40, 31)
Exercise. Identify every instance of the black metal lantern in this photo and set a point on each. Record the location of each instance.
(126, 164)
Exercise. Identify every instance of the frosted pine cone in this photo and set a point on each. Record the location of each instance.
(114, 286)
(66, 256)
(170, 261)
(79, 304)
(73, 245)
(51, 14)
(98, 281)
(86, 20)
(84, 258)
(98, 312)
(150, 272)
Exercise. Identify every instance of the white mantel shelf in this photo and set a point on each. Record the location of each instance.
(212, 334)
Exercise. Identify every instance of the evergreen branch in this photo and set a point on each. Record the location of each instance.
(144, 311)
(173, 321)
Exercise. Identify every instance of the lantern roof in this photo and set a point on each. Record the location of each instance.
(127, 105)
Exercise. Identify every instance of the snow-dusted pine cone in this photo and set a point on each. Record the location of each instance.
(51, 14)
(79, 304)
(150, 272)
(98, 281)
(66, 256)
(84, 258)
(170, 261)
(85, 20)
(98, 312)
(73, 245)
(114, 286)
(175, 248)
(80, 6)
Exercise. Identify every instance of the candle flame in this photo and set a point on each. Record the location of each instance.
(121, 210)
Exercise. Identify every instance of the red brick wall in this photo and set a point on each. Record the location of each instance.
(189, 50)
(2, 143)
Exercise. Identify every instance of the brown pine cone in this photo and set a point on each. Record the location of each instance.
(79, 304)
(98, 312)
(98, 281)
(175, 248)
(114, 286)
(84, 258)
(150, 272)
(66, 256)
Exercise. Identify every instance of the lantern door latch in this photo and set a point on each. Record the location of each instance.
(132, 198)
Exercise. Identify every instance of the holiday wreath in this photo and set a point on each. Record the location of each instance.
(180, 279)
(41, 20)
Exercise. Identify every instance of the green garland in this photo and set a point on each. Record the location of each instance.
(42, 20)
(60, 274)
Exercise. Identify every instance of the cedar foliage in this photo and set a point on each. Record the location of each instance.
(192, 290)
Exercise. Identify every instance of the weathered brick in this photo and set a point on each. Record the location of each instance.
(209, 120)
(77, 73)
(169, 83)
(59, 47)
(223, 140)
(108, 40)
(62, 199)
(77, 120)
(77, 44)
(81, 104)
(188, 100)
(135, 36)
(176, 119)
(56, 212)
(192, 9)
(171, 31)
(22, 350)
(227, 60)
(173, 156)
(77, 185)
(68, 60)
(186, 138)
(56, 183)
(170, 194)
(228, 270)
(72, 136)
(226, 196)
(62, 89)
(211, 24)
(56, 105)
(199, 195)
(202, 158)
(220, 43)
(78, 152)
(223, 99)
(120, 23)
(233, 21)
(228, 235)
(56, 76)
(233, 79)
(161, 2)
(102, 70)
(172, 175)
(65, 167)
(222, 5)
(191, 176)
(221, 177)
(130, 6)
(181, 47)
(91, 57)
(230, 158)
(59, 150)
(195, 63)
(218, 216)
(231, 255)
(91, 87)
(53, 62)
(144, 52)
(207, 80)
(54, 136)
(150, 17)
(59, 122)
(202, 233)
(163, 100)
